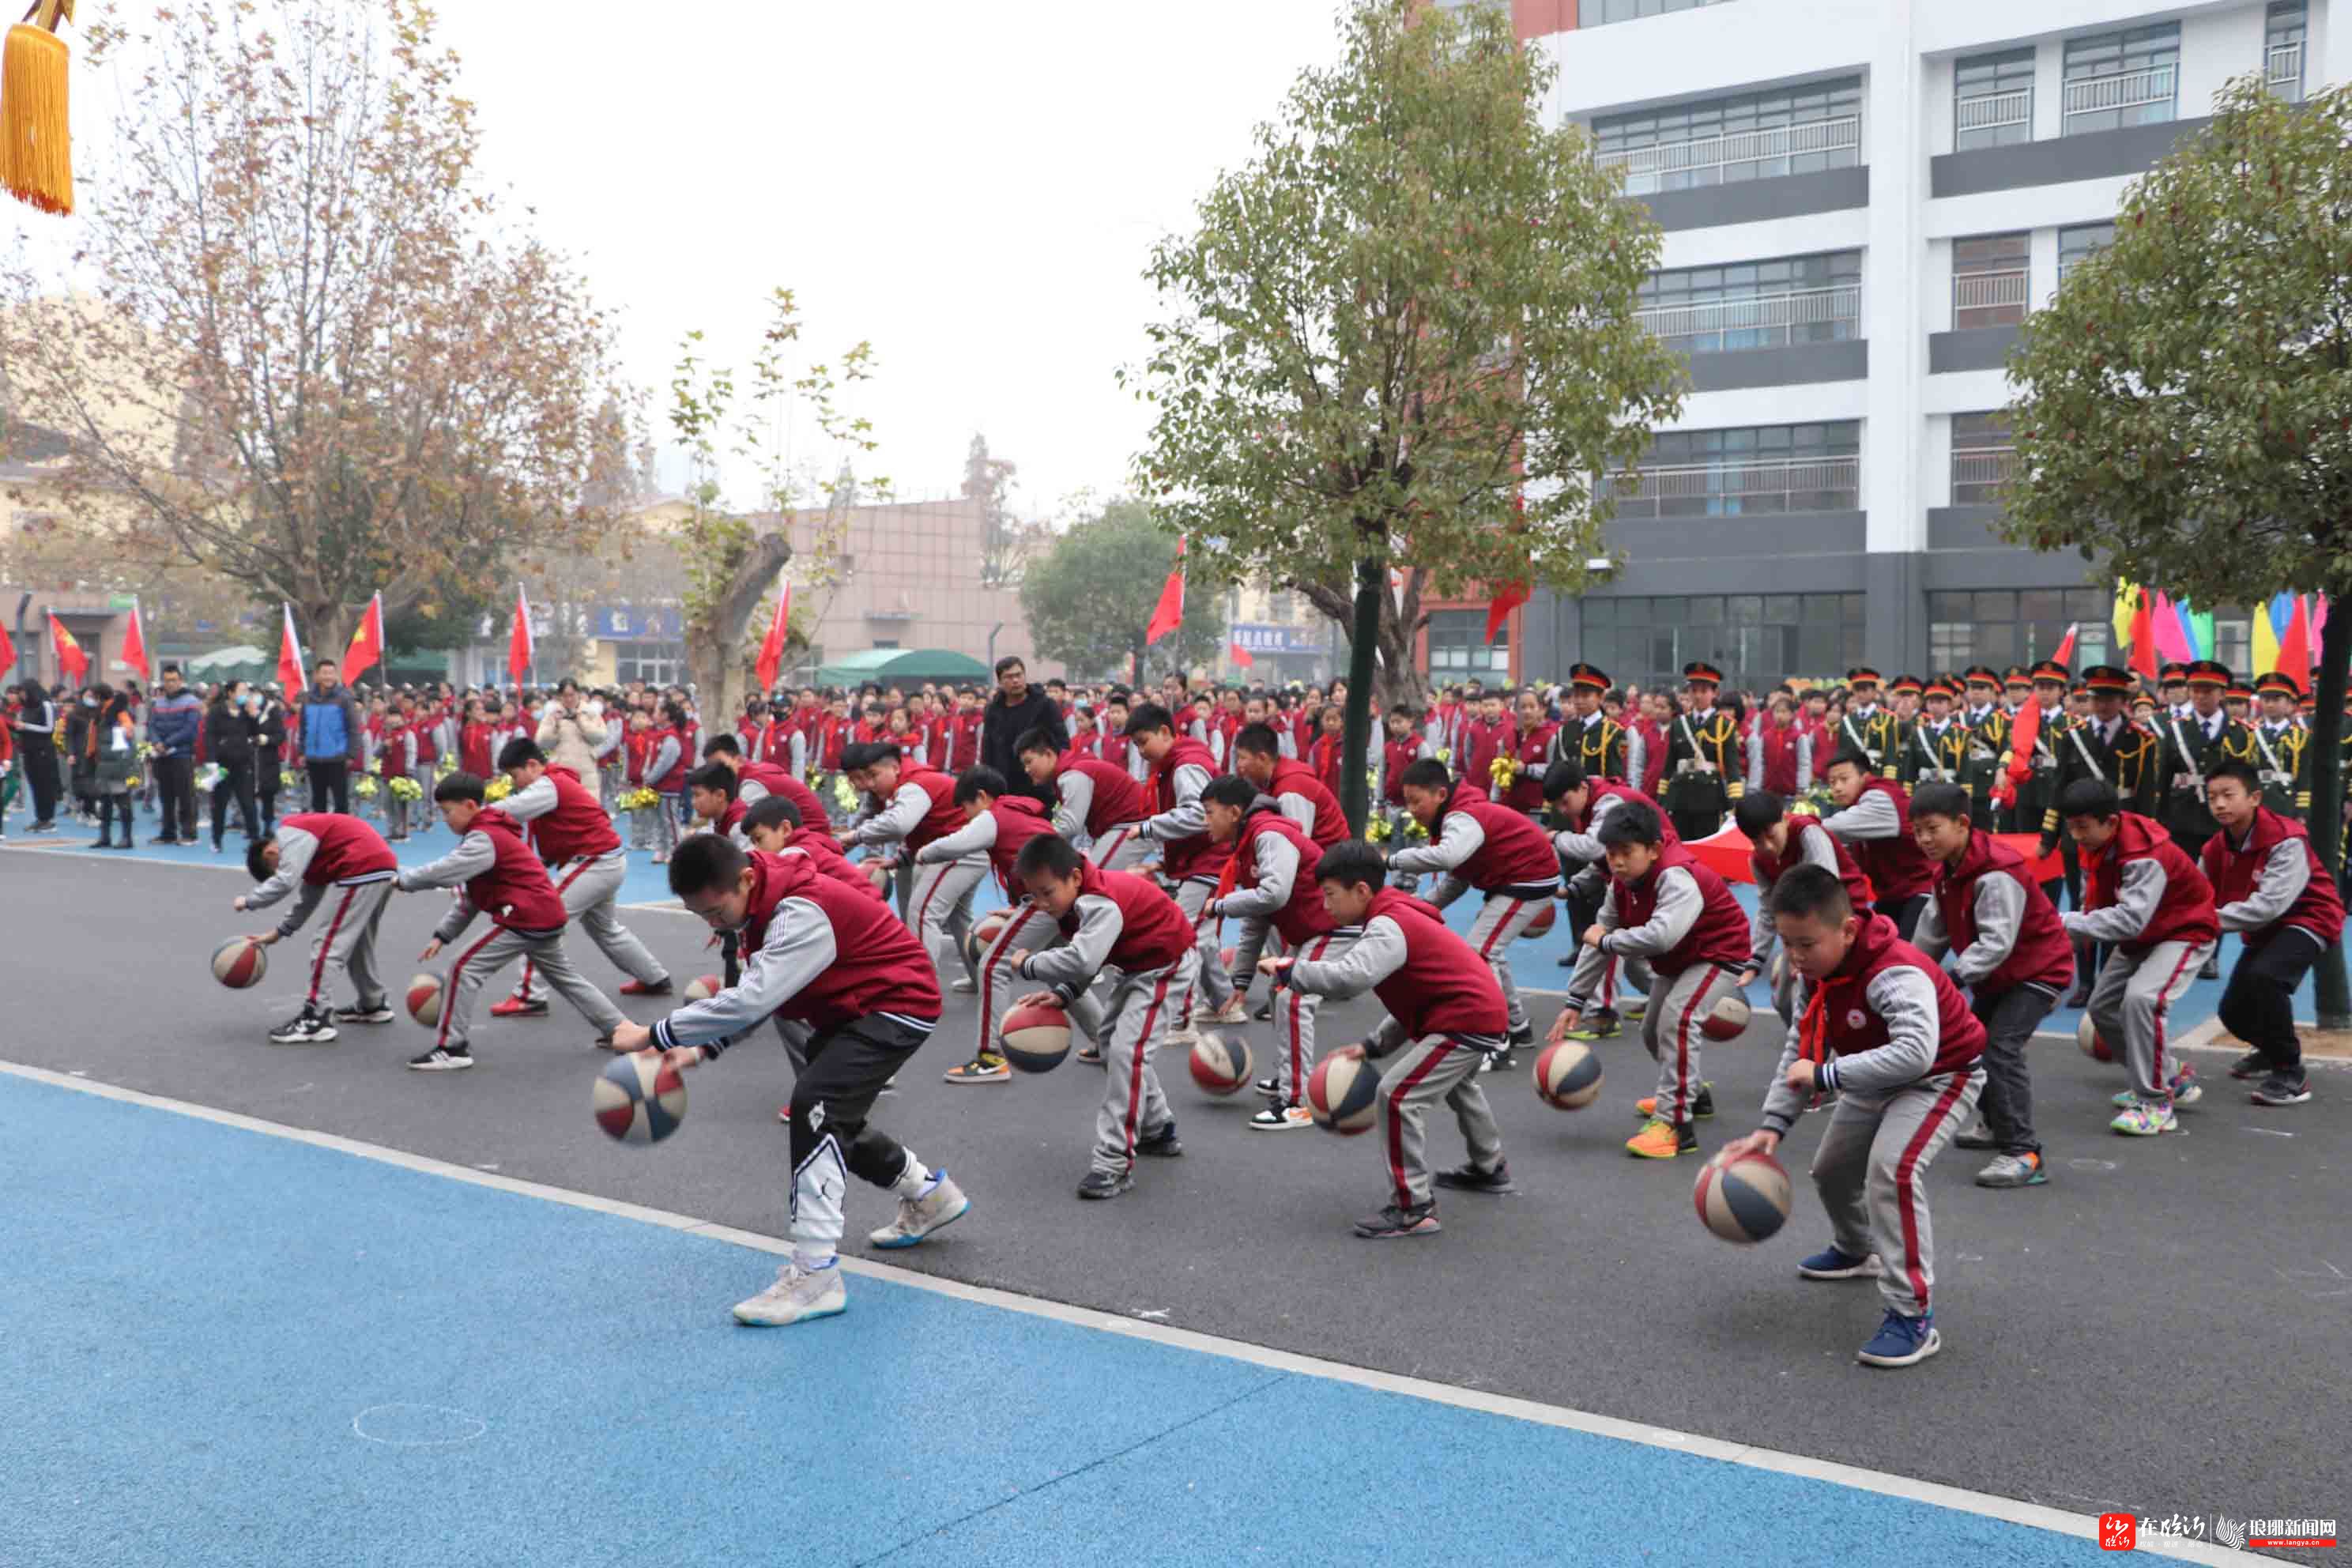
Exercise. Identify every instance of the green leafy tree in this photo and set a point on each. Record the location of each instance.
(1404, 335)
(1090, 593)
(2184, 406)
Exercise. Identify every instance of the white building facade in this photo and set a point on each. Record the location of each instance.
(1862, 200)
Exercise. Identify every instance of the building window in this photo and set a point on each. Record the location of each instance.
(2282, 34)
(1458, 648)
(2005, 627)
(1760, 469)
(1752, 136)
(1601, 13)
(654, 663)
(1756, 639)
(1279, 608)
(1992, 99)
(1756, 304)
(1981, 454)
(1988, 280)
(2079, 244)
(2114, 80)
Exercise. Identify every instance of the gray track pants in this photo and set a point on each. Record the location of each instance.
(1412, 1079)
(1871, 1171)
(1120, 849)
(1294, 1022)
(1192, 895)
(940, 914)
(591, 890)
(1500, 920)
(1670, 1031)
(347, 942)
(489, 953)
(1026, 929)
(2136, 989)
(1134, 1105)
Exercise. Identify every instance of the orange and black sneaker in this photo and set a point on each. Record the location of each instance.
(1661, 1139)
(986, 1067)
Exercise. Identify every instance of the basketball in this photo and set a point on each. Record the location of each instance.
(238, 963)
(1221, 1065)
(2086, 1034)
(1727, 1020)
(1745, 1199)
(1342, 1095)
(1542, 922)
(703, 987)
(424, 999)
(639, 1098)
(982, 936)
(1568, 1076)
(1035, 1039)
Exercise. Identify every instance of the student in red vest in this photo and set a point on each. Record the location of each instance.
(1190, 864)
(1779, 841)
(1487, 736)
(1300, 793)
(1874, 821)
(851, 991)
(1445, 1017)
(395, 758)
(665, 776)
(344, 863)
(1773, 760)
(1666, 907)
(1405, 742)
(1273, 887)
(2141, 893)
(1580, 803)
(1097, 801)
(757, 781)
(567, 825)
(2010, 949)
(1479, 843)
(915, 805)
(502, 879)
(1111, 921)
(1534, 739)
(772, 826)
(1881, 1025)
(2273, 890)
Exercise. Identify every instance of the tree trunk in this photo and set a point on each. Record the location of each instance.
(1364, 642)
(2335, 1005)
(325, 627)
(714, 640)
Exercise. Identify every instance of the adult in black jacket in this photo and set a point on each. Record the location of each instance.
(82, 766)
(268, 757)
(1016, 708)
(37, 751)
(232, 732)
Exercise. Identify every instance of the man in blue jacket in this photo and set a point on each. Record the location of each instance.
(330, 739)
(173, 717)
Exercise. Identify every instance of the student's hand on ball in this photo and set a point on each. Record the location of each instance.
(1800, 1074)
(677, 1059)
(1761, 1142)
(431, 950)
(1037, 999)
(632, 1038)
(1353, 1053)
(263, 939)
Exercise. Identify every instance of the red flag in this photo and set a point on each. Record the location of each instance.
(1170, 612)
(133, 656)
(1242, 655)
(2294, 645)
(2143, 638)
(367, 641)
(290, 657)
(2065, 654)
(7, 651)
(1500, 609)
(771, 649)
(2023, 730)
(519, 642)
(72, 663)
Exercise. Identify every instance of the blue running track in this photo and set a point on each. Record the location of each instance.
(226, 1347)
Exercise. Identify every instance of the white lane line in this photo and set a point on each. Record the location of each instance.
(1986, 1505)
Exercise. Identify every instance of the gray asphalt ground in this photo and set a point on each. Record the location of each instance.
(2161, 1328)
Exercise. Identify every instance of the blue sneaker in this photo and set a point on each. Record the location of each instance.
(1830, 1264)
(1902, 1340)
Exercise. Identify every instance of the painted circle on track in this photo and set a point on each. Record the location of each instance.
(2091, 1165)
(417, 1425)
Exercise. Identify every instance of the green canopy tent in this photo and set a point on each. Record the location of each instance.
(241, 662)
(903, 667)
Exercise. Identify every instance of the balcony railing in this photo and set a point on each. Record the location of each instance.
(2123, 90)
(1982, 468)
(1773, 143)
(1987, 290)
(1760, 313)
(2284, 65)
(1995, 110)
(1812, 484)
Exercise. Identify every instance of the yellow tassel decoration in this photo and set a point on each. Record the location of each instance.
(36, 137)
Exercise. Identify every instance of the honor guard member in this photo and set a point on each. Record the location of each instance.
(2172, 687)
(1706, 770)
(2283, 747)
(1867, 728)
(1936, 749)
(2193, 742)
(1904, 696)
(1986, 723)
(1594, 742)
(2238, 703)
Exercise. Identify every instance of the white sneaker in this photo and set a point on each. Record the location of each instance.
(918, 1217)
(797, 1295)
(961, 985)
(1234, 1010)
(1185, 1039)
